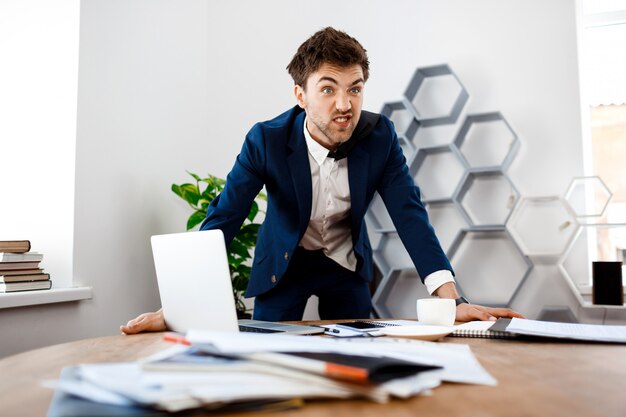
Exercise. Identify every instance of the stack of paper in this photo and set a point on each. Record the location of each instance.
(226, 368)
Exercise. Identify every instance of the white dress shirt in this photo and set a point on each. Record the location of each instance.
(329, 227)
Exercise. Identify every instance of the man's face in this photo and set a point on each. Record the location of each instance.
(332, 100)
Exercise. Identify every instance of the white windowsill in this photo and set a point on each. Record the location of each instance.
(54, 295)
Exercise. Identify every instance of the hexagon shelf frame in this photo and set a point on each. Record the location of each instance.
(441, 169)
(405, 123)
(575, 249)
(391, 254)
(479, 259)
(433, 136)
(487, 198)
(487, 141)
(588, 196)
(448, 220)
(378, 215)
(374, 231)
(543, 227)
(397, 292)
(436, 95)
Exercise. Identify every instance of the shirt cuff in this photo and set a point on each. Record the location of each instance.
(437, 279)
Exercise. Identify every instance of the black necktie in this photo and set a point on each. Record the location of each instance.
(339, 153)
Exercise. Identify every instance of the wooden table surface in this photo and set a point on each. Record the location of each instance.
(534, 379)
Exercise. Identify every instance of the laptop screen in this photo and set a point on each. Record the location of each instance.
(194, 281)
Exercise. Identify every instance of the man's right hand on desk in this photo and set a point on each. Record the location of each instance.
(146, 322)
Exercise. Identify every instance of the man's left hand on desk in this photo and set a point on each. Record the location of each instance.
(469, 312)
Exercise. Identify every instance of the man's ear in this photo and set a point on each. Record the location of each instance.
(300, 94)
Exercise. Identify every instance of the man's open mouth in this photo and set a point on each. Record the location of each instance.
(344, 119)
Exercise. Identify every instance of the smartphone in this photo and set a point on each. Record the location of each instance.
(362, 326)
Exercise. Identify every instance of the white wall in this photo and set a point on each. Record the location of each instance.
(169, 86)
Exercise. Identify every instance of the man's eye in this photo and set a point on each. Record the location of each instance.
(327, 90)
(356, 90)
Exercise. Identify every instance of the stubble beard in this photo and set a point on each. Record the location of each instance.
(335, 136)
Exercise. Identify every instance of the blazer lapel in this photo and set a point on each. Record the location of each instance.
(298, 163)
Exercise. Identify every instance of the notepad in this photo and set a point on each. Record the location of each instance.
(484, 329)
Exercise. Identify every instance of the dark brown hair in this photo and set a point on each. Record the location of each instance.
(328, 46)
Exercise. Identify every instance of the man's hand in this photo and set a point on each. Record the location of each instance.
(469, 312)
(146, 322)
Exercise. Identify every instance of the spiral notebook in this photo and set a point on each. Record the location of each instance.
(484, 329)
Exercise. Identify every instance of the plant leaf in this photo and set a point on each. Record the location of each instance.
(195, 219)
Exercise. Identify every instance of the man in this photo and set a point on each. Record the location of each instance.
(321, 163)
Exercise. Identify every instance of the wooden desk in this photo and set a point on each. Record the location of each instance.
(535, 379)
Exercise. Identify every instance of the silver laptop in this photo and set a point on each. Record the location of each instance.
(195, 286)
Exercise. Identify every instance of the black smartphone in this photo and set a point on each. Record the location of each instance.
(360, 325)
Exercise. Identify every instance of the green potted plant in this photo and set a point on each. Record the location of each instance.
(199, 196)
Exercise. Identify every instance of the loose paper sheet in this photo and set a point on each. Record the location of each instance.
(593, 332)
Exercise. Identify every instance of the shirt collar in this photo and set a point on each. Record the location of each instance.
(317, 151)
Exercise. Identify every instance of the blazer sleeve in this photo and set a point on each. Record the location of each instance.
(230, 208)
(402, 200)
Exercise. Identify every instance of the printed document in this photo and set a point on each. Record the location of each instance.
(576, 331)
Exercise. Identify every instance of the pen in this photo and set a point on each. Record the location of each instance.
(175, 338)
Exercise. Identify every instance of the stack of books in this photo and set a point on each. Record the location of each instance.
(19, 268)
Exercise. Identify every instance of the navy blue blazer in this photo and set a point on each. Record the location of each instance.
(275, 154)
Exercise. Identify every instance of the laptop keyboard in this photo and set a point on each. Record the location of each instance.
(249, 329)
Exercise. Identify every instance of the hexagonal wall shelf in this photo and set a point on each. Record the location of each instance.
(487, 141)
(447, 220)
(380, 216)
(569, 262)
(405, 123)
(489, 266)
(543, 226)
(588, 196)
(487, 198)
(397, 293)
(487, 231)
(432, 136)
(392, 253)
(373, 231)
(437, 171)
(436, 95)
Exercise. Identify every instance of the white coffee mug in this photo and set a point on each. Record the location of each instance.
(436, 311)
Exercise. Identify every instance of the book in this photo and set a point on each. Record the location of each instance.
(23, 277)
(484, 329)
(21, 257)
(352, 368)
(5, 266)
(25, 286)
(14, 246)
(32, 271)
